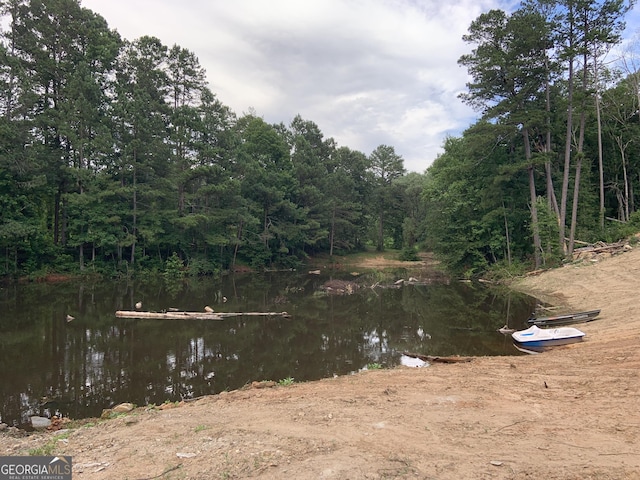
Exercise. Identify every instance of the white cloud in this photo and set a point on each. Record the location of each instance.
(367, 72)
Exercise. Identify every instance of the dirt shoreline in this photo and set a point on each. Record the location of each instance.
(571, 413)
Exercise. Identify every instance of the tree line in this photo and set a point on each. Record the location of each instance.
(115, 156)
(553, 159)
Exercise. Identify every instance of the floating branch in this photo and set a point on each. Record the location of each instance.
(434, 359)
(195, 315)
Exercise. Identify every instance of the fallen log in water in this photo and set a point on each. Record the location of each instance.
(434, 359)
(195, 315)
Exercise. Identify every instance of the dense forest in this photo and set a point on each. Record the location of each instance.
(117, 158)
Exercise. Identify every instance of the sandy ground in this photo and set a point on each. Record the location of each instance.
(571, 413)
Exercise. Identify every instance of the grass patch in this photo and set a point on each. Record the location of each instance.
(353, 258)
(285, 382)
(48, 448)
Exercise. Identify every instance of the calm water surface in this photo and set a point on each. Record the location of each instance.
(50, 366)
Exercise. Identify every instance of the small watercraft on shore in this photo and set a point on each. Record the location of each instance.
(547, 337)
(566, 319)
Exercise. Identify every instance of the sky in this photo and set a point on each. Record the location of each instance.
(367, 72)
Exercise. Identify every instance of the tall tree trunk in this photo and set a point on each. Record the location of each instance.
(600, 160)
(567, 161)
(237, 245)
(626, 183)
(551, 193)
(580, 153)
(576, 184)
(569, 132)
(574, 206)
(535, 227)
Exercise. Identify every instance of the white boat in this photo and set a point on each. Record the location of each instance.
(547, 337)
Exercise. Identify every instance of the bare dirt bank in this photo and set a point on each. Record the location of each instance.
(571, 413)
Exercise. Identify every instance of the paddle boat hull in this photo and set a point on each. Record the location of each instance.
(547, 337)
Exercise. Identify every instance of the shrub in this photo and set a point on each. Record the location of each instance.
(409, 254)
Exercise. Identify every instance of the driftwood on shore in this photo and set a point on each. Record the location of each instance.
(591, 252)
(436, 359)
(195, 315)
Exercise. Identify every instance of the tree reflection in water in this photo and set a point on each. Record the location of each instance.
(50, 366)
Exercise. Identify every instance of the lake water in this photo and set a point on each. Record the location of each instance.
(50, 366)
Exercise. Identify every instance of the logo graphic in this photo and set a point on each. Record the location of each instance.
(35, 468)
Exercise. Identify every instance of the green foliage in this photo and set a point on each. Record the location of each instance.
(48, 448)
(633, 225)
(618, 231)
(174, 270)
(409, 254)
(374, 366)
(548, 228)
(503, 271)
(385, 168)
(115, 154)
(203, 267)
(464, 221)
(285, 382)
